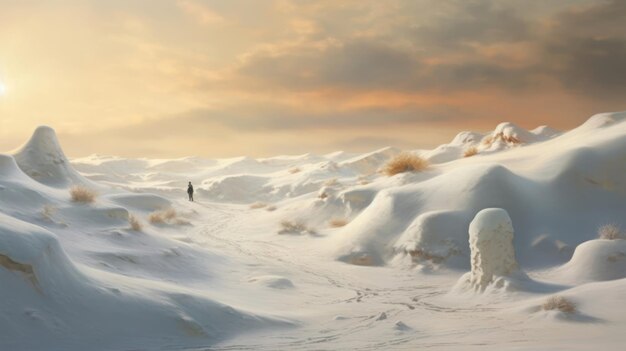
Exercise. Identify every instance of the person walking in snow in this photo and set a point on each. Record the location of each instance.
(190, 191)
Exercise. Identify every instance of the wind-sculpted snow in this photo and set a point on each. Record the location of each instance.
(44, 289)
(561, 189)
(365, 260)
(491, 247)
(43, 160)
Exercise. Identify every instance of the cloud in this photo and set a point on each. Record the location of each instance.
(453, 54)
(471, 21)
(586, 49)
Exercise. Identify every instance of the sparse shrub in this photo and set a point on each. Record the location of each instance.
(559, 303)
(471, 151)
(167, 216)
(323, 195)
(258, 205)
(509, 139)
(82, 194)
(134, 223)
(405, 162)
(295, 170)
(610, 232)
(338, 222)
(270, 208)
(295, 227)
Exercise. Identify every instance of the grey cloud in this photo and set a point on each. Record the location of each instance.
(465, 22)
(356, 64)
(372, 65)
(586, 51)
(581, 47)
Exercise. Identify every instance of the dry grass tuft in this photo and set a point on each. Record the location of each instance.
(405, 162)
(167, 216)
(134, 223)
(559, 303)
(338, 222)
(82, 194)
(610, 232)
(48, 211)
(295, 170)
(509, 139)
(471, 151)
(258, 205)
(295, 227)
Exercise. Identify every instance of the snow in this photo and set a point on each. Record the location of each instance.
(491, 247)
(460, 256)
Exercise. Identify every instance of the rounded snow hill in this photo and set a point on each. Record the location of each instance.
(42, 159)
(436, 237)
(596, 260)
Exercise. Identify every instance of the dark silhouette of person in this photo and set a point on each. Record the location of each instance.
(190, 191)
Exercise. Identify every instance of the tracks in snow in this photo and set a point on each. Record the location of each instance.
(232, 229)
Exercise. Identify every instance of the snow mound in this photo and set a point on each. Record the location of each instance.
(42, 159)
(436, 237)
(596, 260)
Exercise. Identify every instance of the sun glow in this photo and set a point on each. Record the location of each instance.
(3, 89)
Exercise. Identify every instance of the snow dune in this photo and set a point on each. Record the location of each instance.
(369, 260)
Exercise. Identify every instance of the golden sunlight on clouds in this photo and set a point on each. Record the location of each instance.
(222, 78)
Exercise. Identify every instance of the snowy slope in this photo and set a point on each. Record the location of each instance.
(319, 251)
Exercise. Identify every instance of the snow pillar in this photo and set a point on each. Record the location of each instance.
(491, 246)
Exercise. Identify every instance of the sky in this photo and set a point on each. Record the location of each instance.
(222, 78)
